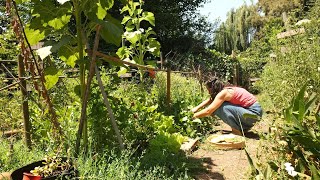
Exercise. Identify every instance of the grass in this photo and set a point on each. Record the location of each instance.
(107, 165)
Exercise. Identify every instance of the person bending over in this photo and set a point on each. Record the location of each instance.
(229, 103)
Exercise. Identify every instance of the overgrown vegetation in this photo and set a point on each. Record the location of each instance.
(287, 69)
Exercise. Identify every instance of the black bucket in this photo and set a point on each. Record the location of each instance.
(71, 173)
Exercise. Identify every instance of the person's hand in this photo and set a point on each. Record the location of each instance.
(194, 110)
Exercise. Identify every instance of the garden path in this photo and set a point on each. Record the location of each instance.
(229, 164)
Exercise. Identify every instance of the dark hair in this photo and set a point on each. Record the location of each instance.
(214, 86)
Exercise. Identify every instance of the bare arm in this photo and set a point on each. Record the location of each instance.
(222, 96)
(204, 103)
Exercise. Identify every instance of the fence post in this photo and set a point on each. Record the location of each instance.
(168, 84)
(236, 69)
(161, 60)
(25, 108)
(200, 79)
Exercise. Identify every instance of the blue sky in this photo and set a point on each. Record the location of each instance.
(219, 8)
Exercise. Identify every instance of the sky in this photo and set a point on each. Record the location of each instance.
(219, 8)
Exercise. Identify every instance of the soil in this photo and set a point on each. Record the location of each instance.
(229, 164)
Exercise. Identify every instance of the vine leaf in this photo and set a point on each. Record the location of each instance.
(34, 36)
(111, 30)
(52, 46)
(51, 76)
(101, 12)
(22, 1)
(122, 71)
(97, 9)
(148, 16)
(69, 55)
(154, 47)
(50, 14)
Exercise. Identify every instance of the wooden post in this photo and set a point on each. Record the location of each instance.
(200, 79)
(235, 79)
(111, 115)
(25, 108)
(168, 85)
(161, 60)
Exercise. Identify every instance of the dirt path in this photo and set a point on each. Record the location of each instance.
(228, 164)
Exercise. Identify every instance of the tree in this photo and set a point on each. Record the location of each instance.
(179, 27)
(238, 30)
(277, 7)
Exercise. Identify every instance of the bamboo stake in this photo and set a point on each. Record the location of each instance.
(200, 79)
(111, 115)
(86, 95)
(19, 83)
(9, 86)
(45, 91)
(25, 106)
(168, 85)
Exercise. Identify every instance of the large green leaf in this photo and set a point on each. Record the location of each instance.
(308, 143)
(69, 55)
(148, 16)
(315, 172)
(122, 71)
(21, 1)
(48, 13)
(154, 47)
(34, 36)
(254, 170)
(298, 98)
(51, 76)
(97, 9)
(51, 47)
(318, 119)
(125, 19)
(111, 30)
(101, 12)
(133, 37)
(57, 45)
(123, 52)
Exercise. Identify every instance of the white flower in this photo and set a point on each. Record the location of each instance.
(62, 1)
(287, 164)
(130, 35)
(290, 169)
(141, 30)
(152, 49)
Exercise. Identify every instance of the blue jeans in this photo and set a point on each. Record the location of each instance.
(233, 114)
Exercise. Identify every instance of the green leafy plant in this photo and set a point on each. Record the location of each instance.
(293, 142)
(52, 166)
(302, 133)
(140, 40)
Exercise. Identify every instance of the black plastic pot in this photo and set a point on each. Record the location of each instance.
(71, 173)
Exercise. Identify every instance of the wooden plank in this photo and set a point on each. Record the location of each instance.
(126, 75)
(189, 145)
(11, 133)
(290, 33)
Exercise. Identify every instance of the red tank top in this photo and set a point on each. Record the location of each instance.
(242, 97)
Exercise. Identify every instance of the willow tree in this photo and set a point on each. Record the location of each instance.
(276, 7)
(236, 33)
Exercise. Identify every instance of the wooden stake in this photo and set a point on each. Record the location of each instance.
(25, 106)
(168, 85)
(111, 115)
(87, 91)
(200, 80)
